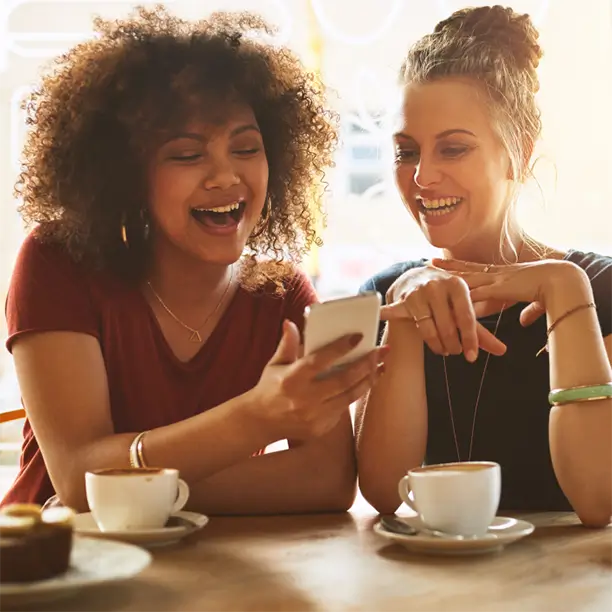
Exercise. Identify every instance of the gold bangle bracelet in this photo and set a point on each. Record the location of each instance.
(134, 455)
(140, 450)
(562, 318)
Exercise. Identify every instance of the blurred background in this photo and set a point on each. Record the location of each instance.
(357, 48)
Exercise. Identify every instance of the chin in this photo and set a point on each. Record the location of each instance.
(221, 257)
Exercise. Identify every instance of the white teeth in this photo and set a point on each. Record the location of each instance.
(221, 209)
(439, 202)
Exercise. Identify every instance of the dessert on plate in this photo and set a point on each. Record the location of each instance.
(35, 544)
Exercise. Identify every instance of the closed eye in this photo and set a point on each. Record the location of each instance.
(406, 155)
(186, 158)
(247, 152)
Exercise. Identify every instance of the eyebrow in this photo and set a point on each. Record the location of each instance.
(241, 129)
(443, 134)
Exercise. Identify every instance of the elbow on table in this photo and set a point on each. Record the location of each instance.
(340, 496)
(70, 488)
(595, 517)
(342, 499)
(384, 502)
(593, 505)
(337, 486)
(72, 494)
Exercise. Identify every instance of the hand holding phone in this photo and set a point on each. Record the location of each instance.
(328, 321)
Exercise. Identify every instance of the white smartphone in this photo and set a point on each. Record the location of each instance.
(328, 321)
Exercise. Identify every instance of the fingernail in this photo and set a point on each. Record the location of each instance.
(383, 350)
(471, 355)
(355, 339)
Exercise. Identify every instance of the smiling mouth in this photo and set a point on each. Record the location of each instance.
(439, 206)
(220, 216)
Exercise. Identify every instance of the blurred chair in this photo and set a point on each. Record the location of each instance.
(12, 415)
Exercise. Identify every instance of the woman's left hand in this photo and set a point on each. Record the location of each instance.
(492, 287)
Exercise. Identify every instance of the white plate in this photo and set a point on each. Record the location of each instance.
(181, 525)
(503, 531)
(91, 562)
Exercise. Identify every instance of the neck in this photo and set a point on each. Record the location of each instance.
(186, 282)
(493, 249)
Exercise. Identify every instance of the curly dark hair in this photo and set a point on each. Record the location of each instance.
(104, 106)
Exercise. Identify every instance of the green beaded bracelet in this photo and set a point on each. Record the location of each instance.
(586, 393)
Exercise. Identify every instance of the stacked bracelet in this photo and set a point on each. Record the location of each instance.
(561, 318)
(586, 393)
(137, 459)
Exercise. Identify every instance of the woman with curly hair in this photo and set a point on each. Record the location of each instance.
(169, 173)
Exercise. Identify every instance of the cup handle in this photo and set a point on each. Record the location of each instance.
(182, 497)
(403, 488)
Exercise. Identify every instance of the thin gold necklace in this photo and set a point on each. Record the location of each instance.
(194, 332)
(484, 372)
(450, 403)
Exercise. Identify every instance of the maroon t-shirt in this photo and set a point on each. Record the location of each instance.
(149, 387)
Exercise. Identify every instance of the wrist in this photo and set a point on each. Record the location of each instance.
(399, 332)
(567, 288)
(252, 414)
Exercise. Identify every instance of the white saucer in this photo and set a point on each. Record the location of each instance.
(181, 524)
(503, 531)
(91, 562)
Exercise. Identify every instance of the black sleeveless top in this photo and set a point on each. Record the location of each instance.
(512, 421)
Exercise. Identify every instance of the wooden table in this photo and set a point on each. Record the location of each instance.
(336, 562)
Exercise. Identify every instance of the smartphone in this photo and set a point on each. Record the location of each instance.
(328, 321)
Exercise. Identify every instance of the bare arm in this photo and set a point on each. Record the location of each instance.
(581, 433)
(64, 386)
(391, 423)
(318, 476)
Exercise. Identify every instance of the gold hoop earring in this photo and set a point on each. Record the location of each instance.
(265, 219)
(124, 237)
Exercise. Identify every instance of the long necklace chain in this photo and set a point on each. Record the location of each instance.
(194, 332)
(450, 403)
(484, 372)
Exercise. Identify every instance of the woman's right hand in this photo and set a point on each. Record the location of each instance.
(296, 402)
(439, 304)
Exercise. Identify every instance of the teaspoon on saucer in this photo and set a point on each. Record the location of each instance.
(396, 525)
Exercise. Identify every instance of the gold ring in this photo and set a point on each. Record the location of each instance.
(487, 268)
(423, 318)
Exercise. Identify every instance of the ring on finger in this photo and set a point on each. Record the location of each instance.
(417, 320)
(487, 268)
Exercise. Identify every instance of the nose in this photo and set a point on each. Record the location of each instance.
(221, 173)
(427, 172)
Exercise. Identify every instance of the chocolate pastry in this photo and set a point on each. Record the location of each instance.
(35, 544)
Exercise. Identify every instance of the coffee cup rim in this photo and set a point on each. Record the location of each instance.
(145, 471)
(434, 467)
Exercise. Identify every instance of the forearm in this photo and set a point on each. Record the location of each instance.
(581, 432)
(198, 447)
(319, 475)
(392, 422)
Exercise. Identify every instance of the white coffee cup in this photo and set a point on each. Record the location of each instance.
(132, 499)
(456, 498)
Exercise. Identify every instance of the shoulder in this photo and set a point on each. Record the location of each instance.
(299, 293)
(48, 291)
(599, 270)
(383, 280)
(285, 294)
(280, 281)
(41, 265)
(36, 251)
(595, 265)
